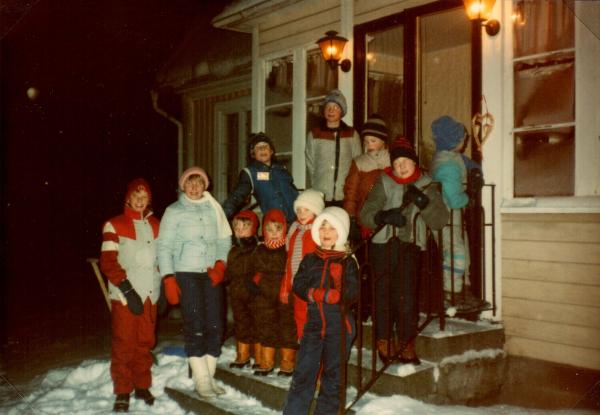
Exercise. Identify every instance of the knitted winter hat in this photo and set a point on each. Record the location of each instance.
(274, 215)
(338, 98)
(137, 185)
(251, 216)
(191, 171)
(447, 133)
(401, 147)
(375, 126)
(310, 199)
(256, 138)
(339, 219)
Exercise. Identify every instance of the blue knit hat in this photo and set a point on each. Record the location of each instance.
(447, 133)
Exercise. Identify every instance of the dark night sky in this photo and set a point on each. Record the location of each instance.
(68, 155)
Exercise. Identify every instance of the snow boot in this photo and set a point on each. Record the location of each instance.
(121, 403)
(385, 350)
(211, 362)
(202, 382)
(267, 362)
(257, 355)
(145, 395)
(288, 362)
(409, 354)
(243, 356)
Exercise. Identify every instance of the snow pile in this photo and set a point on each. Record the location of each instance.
(472, 355)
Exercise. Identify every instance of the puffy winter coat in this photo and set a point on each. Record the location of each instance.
(129, 252)
(449, 169)
(329, 153)
(272, 186)
(193, 236)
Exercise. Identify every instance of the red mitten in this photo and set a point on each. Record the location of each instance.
(285, 289)
(332, 296)
(318, 294)
(256, 278)
(172, 290)
(365, 232)
(217, 273)
(336, 274)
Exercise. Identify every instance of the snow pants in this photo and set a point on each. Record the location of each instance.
(399, 262)
(315, 349)
(133, 338)
(201, 309)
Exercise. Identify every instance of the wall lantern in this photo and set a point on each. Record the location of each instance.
(480, 10)
(332, 47)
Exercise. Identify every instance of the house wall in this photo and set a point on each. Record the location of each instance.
(551, 287)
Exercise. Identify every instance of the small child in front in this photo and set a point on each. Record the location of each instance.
(327, 279)
(238, 274)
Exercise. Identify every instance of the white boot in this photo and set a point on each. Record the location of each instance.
(211, 362)
(201, 377)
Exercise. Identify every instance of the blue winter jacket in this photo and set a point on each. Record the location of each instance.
(188, 238)
(272, 186)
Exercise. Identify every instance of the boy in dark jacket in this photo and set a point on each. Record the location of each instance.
(406, 201)
(238, 274)
(327, 280)
(268, 181)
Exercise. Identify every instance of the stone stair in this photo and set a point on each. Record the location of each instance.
(463, 364)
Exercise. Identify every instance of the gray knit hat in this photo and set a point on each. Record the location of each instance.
(338, 98)
(375, 126)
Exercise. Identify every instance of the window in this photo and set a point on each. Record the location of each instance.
(320, 79)
(544, 99)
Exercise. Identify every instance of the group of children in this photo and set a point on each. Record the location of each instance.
(287, 289)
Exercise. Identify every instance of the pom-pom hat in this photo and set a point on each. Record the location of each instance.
(401, 147)
(447, 133)
(310, 199)
(338, 98)
(190, 172)
(375, 127)
(339, 219)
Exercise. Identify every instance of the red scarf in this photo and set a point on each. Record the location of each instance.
(410, 179)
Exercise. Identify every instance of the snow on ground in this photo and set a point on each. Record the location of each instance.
(87, 389)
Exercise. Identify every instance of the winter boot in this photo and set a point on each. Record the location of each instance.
(201, 377)
(409, 354)
(267, 361)
(211, 362)
(257, 355)
(288, 362)
(385, 350)
(121, 403)
(243, 356)
(145, 395)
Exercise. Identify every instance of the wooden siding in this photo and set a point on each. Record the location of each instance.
(551, 287)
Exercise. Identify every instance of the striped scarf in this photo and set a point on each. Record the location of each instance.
(274, 243)
(297, 252)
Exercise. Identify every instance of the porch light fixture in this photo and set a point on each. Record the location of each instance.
(479, 11)
(332, 47)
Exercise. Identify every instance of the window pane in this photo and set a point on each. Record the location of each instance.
(544, 90)
(385, 77)
(542, 26)
(279, 128)
(313, 114)
(279, 81)
(320, 77)
(545, 162)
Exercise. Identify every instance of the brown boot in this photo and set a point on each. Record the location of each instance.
(257, 355)
(288, 362)
(385, 350)
(267, 362)
(243, 356)
(409, 354)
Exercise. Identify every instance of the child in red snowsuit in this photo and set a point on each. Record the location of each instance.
(129, 261)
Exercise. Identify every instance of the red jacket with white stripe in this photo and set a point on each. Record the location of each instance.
(129, 251)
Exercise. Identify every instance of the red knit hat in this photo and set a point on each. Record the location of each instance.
(137, 185)
(274, 215)
(401, 147)
(251, 216)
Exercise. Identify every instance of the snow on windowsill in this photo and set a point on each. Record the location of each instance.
(575, 204)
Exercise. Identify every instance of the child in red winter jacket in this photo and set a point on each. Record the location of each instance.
(129, 261)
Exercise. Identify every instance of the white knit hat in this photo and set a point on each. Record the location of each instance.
(339, 219)
(312, 200)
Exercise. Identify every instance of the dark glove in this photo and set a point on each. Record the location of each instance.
(162, 303)
(390, 217)
(253, 288)
(414, 195)
(474, 182)
(355, 234)
(134, 302)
